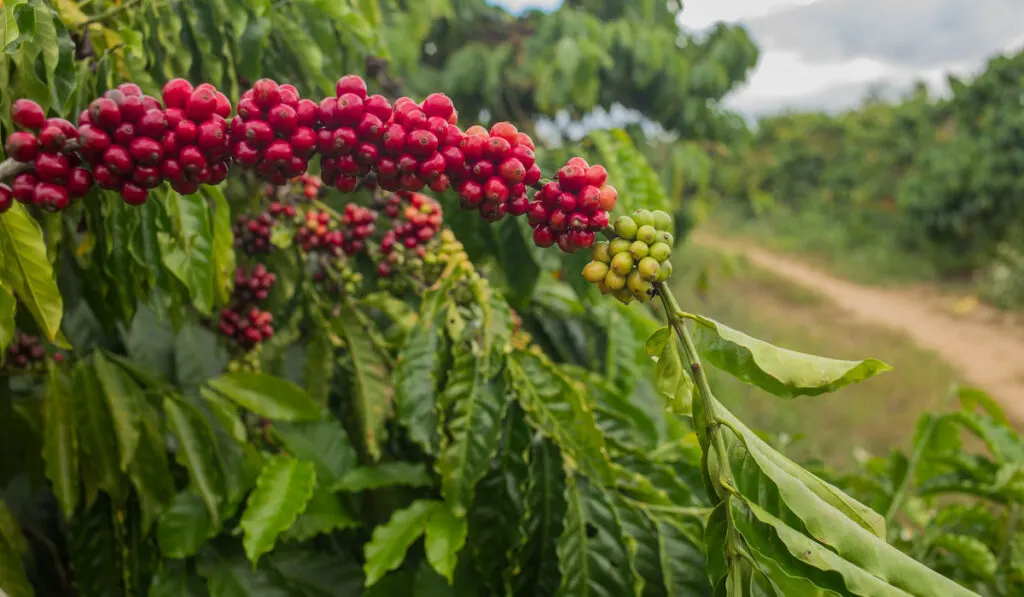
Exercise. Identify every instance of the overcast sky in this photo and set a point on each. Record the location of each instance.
(828, 53)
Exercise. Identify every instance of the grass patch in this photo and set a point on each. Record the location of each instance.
(876, 415)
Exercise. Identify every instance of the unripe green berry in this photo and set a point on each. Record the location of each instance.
(600, 252)
(642, 217)
(595, 271)
(662, 221)
(626, 227)
(614, 281)
(646, 234)
(661, 251)
(665, 237)
(639, 249)
(648, 268)
(619, 245)
(624, 296)
(638, 286)
(665, 272)
(622, 264)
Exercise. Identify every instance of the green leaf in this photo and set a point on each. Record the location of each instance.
(974, 555)
(515, 247)
(592, 553)
(372, 388)
(283, 489)
(188, 253)
(319, 367)
(478, 405)
(535, 566)
(972, 399)
(621, 365)
(96, 431)
(681, 562)
(267, 396)
(418, 370)
(385, 551)
(324, 443)
(671, 378)
(446, 535)
(123, 397)
(27, 269)
(175, 579)
(223, 245)
(8, 307)
(317, 574)
(497, 326)
(60, 448)
(184, 526)
(13, 548)
(233, 576)
(149, 470)
(324, 514)
(195, 452)
(785, 373)
(385, 474)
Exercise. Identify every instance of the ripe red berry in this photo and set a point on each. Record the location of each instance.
(454, 159)
(202, 104)
(124, 133)
(211, 135)
(596, 176)
(186, 130)
(6, 197)
(218, 173)
(343, 141)
(351, 84)
(248, 110)
(279, 151)
(350, 108)
(532, 175)
(289, 95)
(27, 114)
(258, 133)
(543, 236)
(118, 159)
(367, 154)
(283, 119)
(512, 171)
(306, 113)
(471, 193)
(495, 191)
(303, 142)
(608, 198)
(79, 182)
(558, 220)
(223, 108)
(589, 199)
(52, 138)
(52, 197)
(192, 160)
(152, 124)
(518, 205)
(132, 194)
(172, 170)
(145, 151)
(370, 127)
(106, 178)
(24, 186)
(52, 167)
(170, 143)
(379, 106)
(536, 213)
(483, 170)
(22, 146)
(506, 131)
(130, 89)
(105, 113)
(422, 143)
(266, 94)
(147, 177)
(571, 178)
(498, 148)
(176, 93)
(93, 139)
(132, 107)
(431, 168)
(438, 104)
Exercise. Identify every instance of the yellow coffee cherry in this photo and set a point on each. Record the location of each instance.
(665, 237)
(662, 220)
(646, 234)
(660, 252)
(600, 252)
(638, 286)
(665, 271)
(648, 267)
(622, 264)
(595, 271)
(619, 245)
(614, 281)
(639, 249)
(625, 227)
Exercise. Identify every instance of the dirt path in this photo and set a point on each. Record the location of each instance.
(986, 347)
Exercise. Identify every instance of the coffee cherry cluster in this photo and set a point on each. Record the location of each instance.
(252, 286)
(416, 222)
(357, 225)
(196, 145)
(25, 352)
(497, 167)
(56, 178)
(416, 142)
(319, 233)
(243, 321)
(350, 137)
(629, 265)
(252, 233)
(572, 209)
(274, 131)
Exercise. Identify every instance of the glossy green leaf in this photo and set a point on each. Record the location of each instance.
(184, 526)
(782, 372)
(323, 514)
(445, 537)
(371, 382)
(188, 253)
(27, 269)
(418, 370)
(195, 452)
(385, 474)
(324, 443)
(223, 245)
(496, 323)
(149, 470)
(234, 576)
(13, 580)
(268, 396)
(534, 566)
(283, 489)
(8, 307)
(976, 557)
(123, 397)
(621, 366)
(478, 405)
(60, 442)
(95, 429)
(386, 549)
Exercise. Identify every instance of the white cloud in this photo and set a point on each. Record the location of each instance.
(517, 6)
(698, 14)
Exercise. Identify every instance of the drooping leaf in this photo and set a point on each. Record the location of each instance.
(445, 537)
(283, 489)
(324, 443)
(478, 404)
(385, 474)
(317, 574)
(323, 514)
(95, 429)
(975, 556)
(418, 369)
(671, 378)
(60, 441)
(268, 396)
(123, 397)
(149, 470)
(535, 568)
(782, 372)
(372, 388)
(28, 271)
(234, 576)
(184, 526)
(8, 306)
(386, 549)
(195, 452)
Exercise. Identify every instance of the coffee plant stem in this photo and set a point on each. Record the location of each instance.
(10, 168)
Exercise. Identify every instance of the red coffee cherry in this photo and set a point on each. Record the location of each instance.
(27, 114)
(21, 146)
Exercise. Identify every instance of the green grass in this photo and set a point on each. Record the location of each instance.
(875, 415)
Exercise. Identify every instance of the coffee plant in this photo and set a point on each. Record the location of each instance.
(265, 343)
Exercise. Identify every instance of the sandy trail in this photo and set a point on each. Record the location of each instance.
(986, 347)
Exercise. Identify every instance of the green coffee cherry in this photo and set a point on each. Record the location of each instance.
(648, 268)
(639, 249)
(642, 217)
(665, 272)
(626, 227)
(646, 234)
(638, 286)
(622, 264)
(665, 237)
(595, 271)
(600, 252)
(662, 220)
(614, 281)
(619, 245)
(660, 252)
